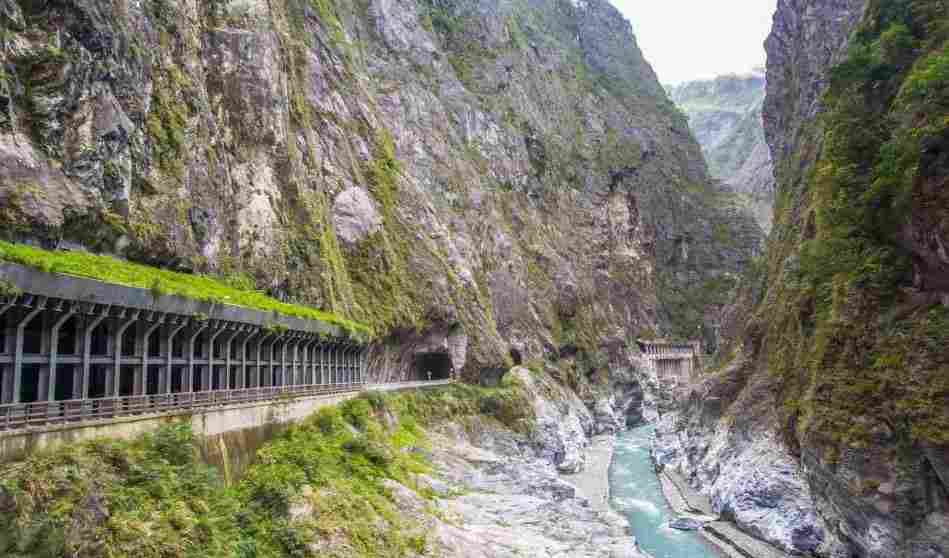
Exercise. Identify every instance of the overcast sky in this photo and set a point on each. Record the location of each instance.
(695, 39)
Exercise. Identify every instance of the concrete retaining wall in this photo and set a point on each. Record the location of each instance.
(229, 436)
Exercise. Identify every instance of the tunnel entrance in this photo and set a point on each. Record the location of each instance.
(516, 357)
(439, 364)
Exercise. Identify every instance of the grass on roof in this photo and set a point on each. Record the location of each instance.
(164, 282)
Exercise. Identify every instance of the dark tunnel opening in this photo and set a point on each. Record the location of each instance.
(516, 357)
(437, 364)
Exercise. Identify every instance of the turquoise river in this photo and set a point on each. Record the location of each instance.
(637, 494)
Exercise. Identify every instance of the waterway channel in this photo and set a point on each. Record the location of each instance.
(636, 493)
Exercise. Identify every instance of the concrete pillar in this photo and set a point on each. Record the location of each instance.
(208, 371)
(331, 365)
(294, 352)
(305, 345)
(54, 350)
(349, 365)
(259, 372)
(282, 374)
(138, 371)
(317, 354)
(258, 376)
(304, 363)
(340, 364)
(358, 356)
(117, 353)
(226, 379)
(6, 370)
(346, 350)
(309, 367)
(42, 379)
(357, 364)
(279, 375)
(141, 377)
(81, 323)
(271, 363)
(87, 351)
(243, 381)
(170, 356)
(291, 360)
(189, 383)
(40, 305)
(322, 364)
(354, 364)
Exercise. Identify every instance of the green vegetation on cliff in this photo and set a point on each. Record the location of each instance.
(318, 489)
(236, 291)
(856, 333)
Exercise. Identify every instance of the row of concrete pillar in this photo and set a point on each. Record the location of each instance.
(666, 349)
(251, 356)
(675, 371)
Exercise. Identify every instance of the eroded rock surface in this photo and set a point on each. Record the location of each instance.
(725, 114)
(509, 169)
(814, 430)
(518, 506)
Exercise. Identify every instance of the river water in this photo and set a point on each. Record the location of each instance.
(637, 494)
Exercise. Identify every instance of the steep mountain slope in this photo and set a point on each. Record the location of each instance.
(825, 426)
(508, 174)
(725, 116)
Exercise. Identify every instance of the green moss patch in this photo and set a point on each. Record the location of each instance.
(164, 282)
(854, 357)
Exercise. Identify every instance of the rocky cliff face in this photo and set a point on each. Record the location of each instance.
(823, 427)
(500, 180)
(725, 116)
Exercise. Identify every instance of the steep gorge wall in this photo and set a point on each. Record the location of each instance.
(823, 428)
(504, 173)
(725, 114)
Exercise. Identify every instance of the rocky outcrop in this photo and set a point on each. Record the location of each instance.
(818, 427)
(562, 422)
(509, 169)
(355, 216)
(511, 506)
(748, 475)
(808, 38)
(725, 116)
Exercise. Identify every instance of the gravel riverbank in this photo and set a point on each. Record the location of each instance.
(593, 482)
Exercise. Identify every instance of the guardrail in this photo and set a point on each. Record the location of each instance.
(44, 414)
(393, 386)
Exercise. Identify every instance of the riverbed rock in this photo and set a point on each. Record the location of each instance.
(518, 506)
(685, 524)
(562, 421)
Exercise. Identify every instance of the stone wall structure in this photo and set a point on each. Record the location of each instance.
(675, 365)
